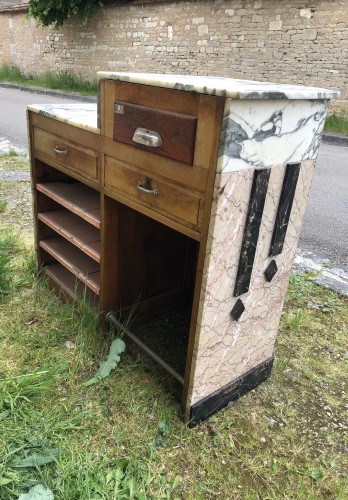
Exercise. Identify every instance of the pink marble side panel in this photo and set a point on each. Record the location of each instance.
(225, 349)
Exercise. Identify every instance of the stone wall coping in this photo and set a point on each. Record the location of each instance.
(20, 7)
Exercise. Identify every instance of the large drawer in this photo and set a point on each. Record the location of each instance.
(160, 196)
(70, 155)
(162, 132)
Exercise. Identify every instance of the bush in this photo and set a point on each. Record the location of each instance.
(48, 12)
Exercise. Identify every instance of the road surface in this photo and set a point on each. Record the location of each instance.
(325, 230)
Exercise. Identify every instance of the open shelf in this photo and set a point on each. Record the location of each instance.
(69, 284)
(79, 232)
(168, 336)
(78, 263)
(76, 197)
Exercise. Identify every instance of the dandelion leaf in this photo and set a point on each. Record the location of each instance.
(116, 349)
(36, 459)
(38, 492)
(5, 480)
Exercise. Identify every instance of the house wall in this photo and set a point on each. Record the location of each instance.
(303, 41)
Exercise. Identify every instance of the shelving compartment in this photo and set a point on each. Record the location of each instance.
(156, 270)
(68, 235)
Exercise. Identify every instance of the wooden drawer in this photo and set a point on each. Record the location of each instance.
(70, 155)
(162, 132)
(167, 199)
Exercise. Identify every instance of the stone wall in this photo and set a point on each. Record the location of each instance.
(303, 41)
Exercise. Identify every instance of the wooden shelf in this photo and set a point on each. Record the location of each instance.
(78, 263)
(78, 198)
(69, 284)
(79, 232)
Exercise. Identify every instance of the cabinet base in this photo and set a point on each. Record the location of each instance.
(212, 404)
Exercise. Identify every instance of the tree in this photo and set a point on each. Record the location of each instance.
(48, 12)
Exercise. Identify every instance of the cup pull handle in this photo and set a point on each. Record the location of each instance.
(147, 137)
(141, 188)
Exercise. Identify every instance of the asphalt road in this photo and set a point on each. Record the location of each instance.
(325, 230)
(13, 120)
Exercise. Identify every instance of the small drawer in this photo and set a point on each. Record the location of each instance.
(81, 160)
(165, 133)
(158, 195)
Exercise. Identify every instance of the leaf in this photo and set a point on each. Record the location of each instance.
(176, 482)
(316, 474)
(105, 367)
(4, 480)
(4, 414)
(38, 492)
(36, 459)
(163, 430)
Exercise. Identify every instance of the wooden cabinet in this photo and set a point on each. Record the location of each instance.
(163, 217)
(125, 223)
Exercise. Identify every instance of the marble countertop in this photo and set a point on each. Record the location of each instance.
(82, 115)
(227, 87)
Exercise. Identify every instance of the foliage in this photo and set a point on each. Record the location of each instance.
(337, 123)
(105, 367)
(61, 80)
(38, 492)
(48, 12)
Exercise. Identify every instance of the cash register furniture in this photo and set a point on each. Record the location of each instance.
(179, 201)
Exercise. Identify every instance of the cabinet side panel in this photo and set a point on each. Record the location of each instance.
(226, 348)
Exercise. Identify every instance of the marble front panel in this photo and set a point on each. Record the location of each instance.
(261, 134)
(225, 348)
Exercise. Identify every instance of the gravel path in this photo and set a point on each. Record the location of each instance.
(14, 176)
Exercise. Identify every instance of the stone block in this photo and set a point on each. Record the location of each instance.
(275, 25)
(309, 34)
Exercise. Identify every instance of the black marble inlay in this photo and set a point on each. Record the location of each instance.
(251, 230)
(284, 207)
(271, 270)
(238, 310)
(208, 406)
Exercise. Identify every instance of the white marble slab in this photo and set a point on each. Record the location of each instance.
(82, 115)
(227, 87)
(267, 133)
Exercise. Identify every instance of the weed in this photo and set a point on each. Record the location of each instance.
(63, 80)
(295, 319)
(12, 153)
(337, 123)
(3, 205)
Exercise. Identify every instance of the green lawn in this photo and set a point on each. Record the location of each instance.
(122, 438)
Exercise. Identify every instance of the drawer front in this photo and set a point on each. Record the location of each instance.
(81, 160)
(158, 195)
(165, 133)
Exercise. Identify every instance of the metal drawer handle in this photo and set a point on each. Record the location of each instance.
(147, 138)
(60, 151)
(148, 191)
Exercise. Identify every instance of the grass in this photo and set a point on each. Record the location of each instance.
(14, 161)
(12, 153)
(123, 437)
(337, 123)
(62, 81)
